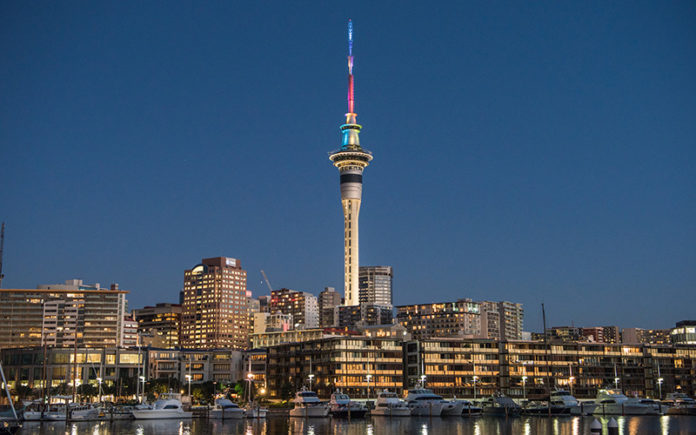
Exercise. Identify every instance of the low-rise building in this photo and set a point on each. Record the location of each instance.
(359, 366)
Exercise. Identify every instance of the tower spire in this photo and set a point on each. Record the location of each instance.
(350, 116)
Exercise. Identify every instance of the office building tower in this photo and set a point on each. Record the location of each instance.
(158, 325)
(376, 285)
(329, 299)
(302, 305)
(215, 307)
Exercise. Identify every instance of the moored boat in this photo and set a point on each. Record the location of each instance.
(225, 408)
(254, 410)
(308, 405)
(389, 405)
(500, 405)
(340, 405)
(423, 402)
(679, 404)
(167, 406)
(611, 401)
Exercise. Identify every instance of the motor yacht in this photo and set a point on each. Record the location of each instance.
(452, 408)
(680, 404)
(422, 401)
(612, 401)
(471, 409)
(574, 407)
(167, 406)
(389, 405)
(307, 404)
(226, 409)
(340, 405)
(254, 410)
(500, 405)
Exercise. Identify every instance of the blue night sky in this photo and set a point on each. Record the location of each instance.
(532, 152)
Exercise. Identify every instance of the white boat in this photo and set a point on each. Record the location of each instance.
(59, 412)
(612, 401)
(680, 404)
(168, 406)
(225, 408)
(422, 401)
(389, 405)
(254, 410)
(340, 405)
(307, 404)
(573, 406)
(452, 408)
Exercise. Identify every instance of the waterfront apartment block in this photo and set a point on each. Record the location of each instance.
(501, 320)
(215, 307)
(479, 367)
(684, 332)
(60, 314)
(159, 325)
(119, 368)
(446, 319)
(375, 284)
(302, 305)
(359, 366)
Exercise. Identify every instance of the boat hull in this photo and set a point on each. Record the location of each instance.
(453, 408)
(344, 413)
(391, 412)
(310, 412)
(625, 409)
(230, 414)
(430, 409)
(256, 413)
(151, 414)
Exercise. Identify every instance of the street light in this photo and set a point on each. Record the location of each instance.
(100, 390)
(188, 378)
(616, 382)
(659, 385)
(423, 377)
(570, 381)
(311, 377)
(142, 391)
(475, 379)
(524, 387)
(368, 377)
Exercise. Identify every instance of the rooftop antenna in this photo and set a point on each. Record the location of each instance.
(2, 245)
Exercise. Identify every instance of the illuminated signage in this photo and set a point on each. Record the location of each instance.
(232, 262)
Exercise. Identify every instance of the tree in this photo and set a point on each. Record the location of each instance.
(87, 390)
(23, 391)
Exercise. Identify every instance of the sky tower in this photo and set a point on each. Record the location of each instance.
(350, 160)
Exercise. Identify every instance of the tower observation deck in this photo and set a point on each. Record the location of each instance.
(351, 159)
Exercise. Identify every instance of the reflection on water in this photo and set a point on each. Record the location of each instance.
(369, 426)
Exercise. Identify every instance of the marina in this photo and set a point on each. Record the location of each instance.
(275, 424)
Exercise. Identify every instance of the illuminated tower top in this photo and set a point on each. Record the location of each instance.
(351, 129)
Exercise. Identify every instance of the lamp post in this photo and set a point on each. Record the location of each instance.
(571, 380)
(311, 377)
(188, 379)
(422, 379)
(524, 387)
(475, 379)
(368, 377)
(142, 390)
(100, 390)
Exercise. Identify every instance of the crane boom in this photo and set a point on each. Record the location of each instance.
(268, 283)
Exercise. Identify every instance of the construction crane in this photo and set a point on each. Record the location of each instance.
(2, 245)
(268, 283)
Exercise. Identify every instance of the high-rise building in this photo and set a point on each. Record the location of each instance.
(215, 307)
(329, 299)
(446, 319)
(594, 334)
(351, 159)
(302, 305)
(611, 334)
(502, 320)
(129, 337)
(376, 285)
(59, 314)
(159, 325)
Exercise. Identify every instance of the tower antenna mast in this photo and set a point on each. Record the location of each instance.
(351, 93)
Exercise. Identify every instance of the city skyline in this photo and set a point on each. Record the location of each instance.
(548, 163)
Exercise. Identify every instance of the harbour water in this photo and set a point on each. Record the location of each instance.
(370, 426)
